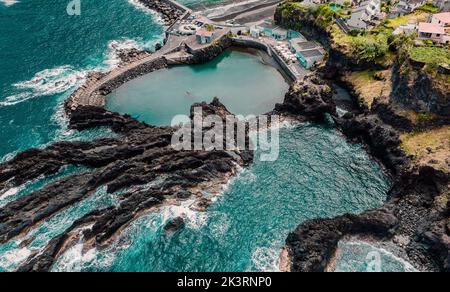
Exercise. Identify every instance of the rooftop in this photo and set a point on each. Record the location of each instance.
(204, 33)
(311, 53)
(443, 17)
(306, 45)
(425, 27)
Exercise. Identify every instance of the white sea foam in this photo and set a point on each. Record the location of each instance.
(9, 2)
(407, 266)
(11, 259)
(74, 258)
(46, 82)
(142, 7)
(266, 259)
(193, 219)
(112, 59)
(9, 193)
(341, 112)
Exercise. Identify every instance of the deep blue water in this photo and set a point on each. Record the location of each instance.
(46, 53)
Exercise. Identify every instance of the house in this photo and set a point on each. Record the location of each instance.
(307, 53)
(239, 30)
(292, 34)
(405, 7)
(438, 29)
(269, 29)
(442, 19)
(313, 2)
(310, 57)
(364, 14)
(431, 31)
(409, 28)
(255, 31)
(204, 36)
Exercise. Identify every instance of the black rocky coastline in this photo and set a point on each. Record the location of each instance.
(414, 217)
(168, 13)
(141, 164)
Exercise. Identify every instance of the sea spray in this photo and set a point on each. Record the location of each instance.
(356, 256)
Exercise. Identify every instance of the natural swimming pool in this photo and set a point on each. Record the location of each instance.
(242, 82)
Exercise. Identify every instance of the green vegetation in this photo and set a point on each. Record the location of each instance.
(418, 16)
(370, 85)
(365, 46)
(323, 14)
(287, 9)
(429, 8)
(430, 145)
(424, 117)
(209, 27)
(430, 55)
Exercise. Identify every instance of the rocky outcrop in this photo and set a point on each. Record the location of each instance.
(169, 13)
(174, 225)
(206, 54)
(410, 213)
(382, 140)
(141, 163)
(418, 90)
(308, 99)
(312, 245)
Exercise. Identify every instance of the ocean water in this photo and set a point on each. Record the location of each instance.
(240, 80)
(46, 54)
(318, 174)
(358, 256)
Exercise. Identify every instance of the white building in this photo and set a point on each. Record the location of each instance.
(438, 29)
(255, 31)
(204, 36)
(409, 28)
(364, 14)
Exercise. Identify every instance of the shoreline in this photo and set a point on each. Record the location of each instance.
(359, 128)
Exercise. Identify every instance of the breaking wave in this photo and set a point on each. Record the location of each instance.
(46, 82)
(9, 2)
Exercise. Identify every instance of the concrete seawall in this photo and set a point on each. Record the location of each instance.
(98, 85)
(256, 44)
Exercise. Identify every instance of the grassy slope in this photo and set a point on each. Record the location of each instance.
(431, 146)
(368, 87)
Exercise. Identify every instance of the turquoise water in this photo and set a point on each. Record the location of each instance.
(46, 54)
(335, 7)
(241, 81)
(318, 175)
(357, 256)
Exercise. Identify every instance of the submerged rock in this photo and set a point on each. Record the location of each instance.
(174, 225)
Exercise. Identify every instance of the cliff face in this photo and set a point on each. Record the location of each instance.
(310, 99)
(413, 87)
(419, 90)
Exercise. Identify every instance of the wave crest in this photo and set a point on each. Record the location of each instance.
(47, 82)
